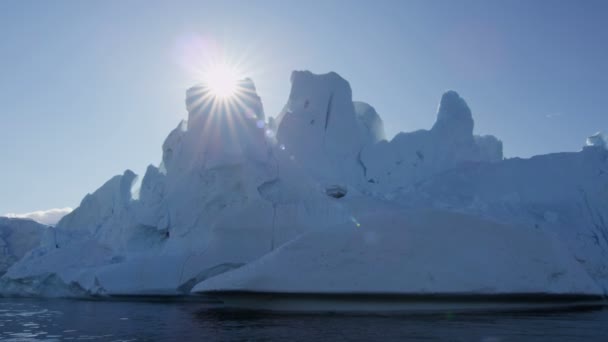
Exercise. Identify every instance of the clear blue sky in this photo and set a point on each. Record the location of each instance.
(90, 88)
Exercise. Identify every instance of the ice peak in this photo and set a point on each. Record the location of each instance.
(200, 101)
(318, 92)
(319, 126)
(246, 84)
(597, 140)
(303, 76)
(454, 116)
(369, 122)
(221, 130)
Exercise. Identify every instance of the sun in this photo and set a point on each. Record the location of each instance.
(222, 80)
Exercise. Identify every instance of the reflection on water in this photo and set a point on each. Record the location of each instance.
(66, 320)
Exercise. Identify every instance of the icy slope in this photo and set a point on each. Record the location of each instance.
(413, 252)
(17, 237)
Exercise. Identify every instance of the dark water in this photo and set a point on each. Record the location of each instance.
(65, 320)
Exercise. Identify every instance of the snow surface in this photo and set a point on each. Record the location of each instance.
(233, 186)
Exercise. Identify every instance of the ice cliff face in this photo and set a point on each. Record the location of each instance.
(17, 237)
(565, 194)
(102, 214)
(370, 124)
(438, 252)
(234, 186)
(319, 128)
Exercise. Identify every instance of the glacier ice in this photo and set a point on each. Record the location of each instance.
(320, 129)
(17, 237)
(412, 157)
(412, 252)
(370, 123)
(321, 188)
(562, 193)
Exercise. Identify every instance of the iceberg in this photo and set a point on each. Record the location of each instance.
(318, 201)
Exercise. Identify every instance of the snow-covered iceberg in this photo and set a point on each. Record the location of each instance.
(238, 196)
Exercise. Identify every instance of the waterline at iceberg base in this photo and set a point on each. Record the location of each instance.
(317, 204)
